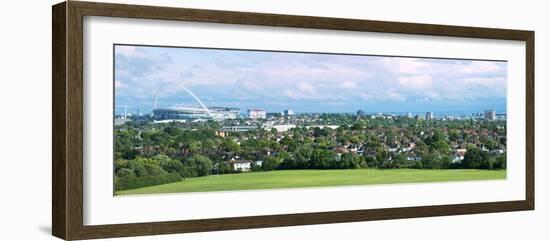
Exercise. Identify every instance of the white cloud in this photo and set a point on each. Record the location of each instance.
(396, 96)
(481, 66)
(405, 65)
(120, 85)
(129, 51)
(306, 88)
(416, 81)
(283, 76)
(348, 85)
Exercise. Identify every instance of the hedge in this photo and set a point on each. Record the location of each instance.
(125, 183)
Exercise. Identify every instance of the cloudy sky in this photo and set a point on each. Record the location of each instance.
(305, 82)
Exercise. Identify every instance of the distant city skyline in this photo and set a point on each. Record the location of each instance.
(305, 82)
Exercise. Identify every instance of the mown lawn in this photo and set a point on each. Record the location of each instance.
(315, 178)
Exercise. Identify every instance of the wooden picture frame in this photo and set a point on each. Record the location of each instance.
(67, 122)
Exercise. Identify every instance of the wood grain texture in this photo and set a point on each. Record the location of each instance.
(530, 120)
(280, 20)
(67, 100)
(155, 228)
(75, 120)
(58, 121)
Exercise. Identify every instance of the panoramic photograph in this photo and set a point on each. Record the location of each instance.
(204, 120)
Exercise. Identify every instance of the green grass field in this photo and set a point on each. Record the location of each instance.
(315, 178)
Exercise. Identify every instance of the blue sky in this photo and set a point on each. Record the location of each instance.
(305, 82)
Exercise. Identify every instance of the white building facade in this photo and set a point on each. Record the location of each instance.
(256, 114)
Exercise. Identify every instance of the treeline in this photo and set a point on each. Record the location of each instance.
(151, 154)
(126, 183)
(159, 169)
(311, 158)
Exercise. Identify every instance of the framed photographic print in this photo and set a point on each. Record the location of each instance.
(171, 120)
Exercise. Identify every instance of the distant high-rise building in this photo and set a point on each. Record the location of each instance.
(429, 115)
(256, 114)
(409, 115)
(289, 113)
(490, 115)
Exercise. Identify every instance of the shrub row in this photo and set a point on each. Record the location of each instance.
(125, 183)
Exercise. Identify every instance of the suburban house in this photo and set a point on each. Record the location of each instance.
(458, 155)
(241, 165)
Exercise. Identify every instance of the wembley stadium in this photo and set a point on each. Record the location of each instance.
(186, 113)
(192, 113)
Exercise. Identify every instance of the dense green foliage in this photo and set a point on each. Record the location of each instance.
(151, 151)
(125, 183)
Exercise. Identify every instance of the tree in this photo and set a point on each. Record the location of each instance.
(440, 146)
(317, 131)
(291, 143)
(229, 145)
(152, 166)
(138, 167)
(500, 162)
(130, 154)
(438, 135)
(357, 126)
(429, 161)
(454, 135)
(322, 159)
(371, 162)
(399, 160)
(491, 144)
(270, 163)
(474, 157)
(445, 162)
(302, 156)
(121, 163)
(125, 172)
(198, 165)
(421, 148)
(194, 147)
(487, 163)
(381, 156)
(170, 165)
(351, 161)
(224, 167)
